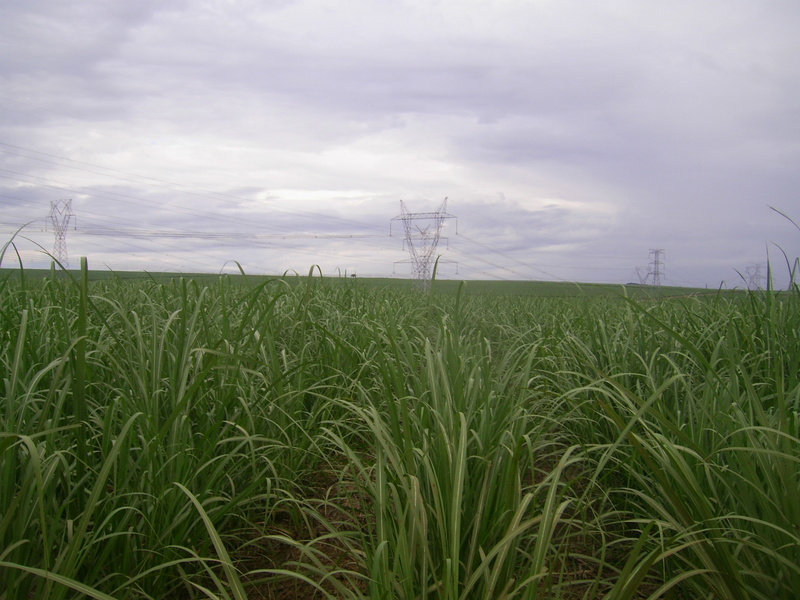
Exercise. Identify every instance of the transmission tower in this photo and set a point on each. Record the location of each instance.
(422, 234)
(656, 269)
(60, 215)
(755, 278)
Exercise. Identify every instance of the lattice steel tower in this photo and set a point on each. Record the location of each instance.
(656, 266)
(422, 234)
(60, 215)
(755, 278)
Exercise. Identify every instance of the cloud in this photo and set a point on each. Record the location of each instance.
(570, 134)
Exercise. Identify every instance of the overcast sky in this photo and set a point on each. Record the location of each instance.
(570, 137)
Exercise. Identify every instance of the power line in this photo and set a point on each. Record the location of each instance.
(511, 258)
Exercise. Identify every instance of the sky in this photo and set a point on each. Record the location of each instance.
(571, 138)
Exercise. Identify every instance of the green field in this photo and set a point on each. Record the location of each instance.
(307, 437)
(497, 288)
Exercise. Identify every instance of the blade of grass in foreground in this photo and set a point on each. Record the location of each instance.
(231, 574)
(61, 580)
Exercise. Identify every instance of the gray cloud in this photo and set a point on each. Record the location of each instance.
(573, 134)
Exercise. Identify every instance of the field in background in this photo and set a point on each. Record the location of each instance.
(250, 437)
(519, 288)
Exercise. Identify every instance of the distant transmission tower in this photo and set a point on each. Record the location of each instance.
(60, 214)
(656, 269)
(755, 278)
(422, 234)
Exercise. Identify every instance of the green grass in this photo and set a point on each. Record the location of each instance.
(237, 436)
